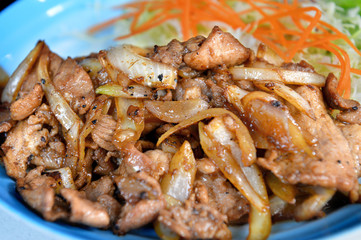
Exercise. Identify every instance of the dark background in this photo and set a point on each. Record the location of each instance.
(4, 4)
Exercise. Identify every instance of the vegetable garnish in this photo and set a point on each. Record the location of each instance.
(287, 28)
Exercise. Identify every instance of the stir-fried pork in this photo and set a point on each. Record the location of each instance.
(223, 196)
(38, 191)
(26, 141)
(155, 162)
(99, 187)
(332, 97)
(352, 133)
(85, 211)
(107, 170)
(144, 200)
(103, 132)
(196, 221)
(24, 107)
(219, 48)
(333, 164)
(75, 85)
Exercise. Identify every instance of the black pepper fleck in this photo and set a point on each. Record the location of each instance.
(43, 81)
(94, 121)
(339, 161)
(31, 156)
(84, 106)
(43, 139)
(95, 107)
(143, 195)
(275, 103)
(354, 108)
(160, 77)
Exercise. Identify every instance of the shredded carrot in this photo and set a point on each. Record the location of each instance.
(307, 30)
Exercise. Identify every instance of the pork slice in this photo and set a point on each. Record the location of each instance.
(219, 48)
(223, 196)
(171, 54)
(334, 99)
(111, 205)
(103, 132)
(27, 139)
(23, 142)
(154, 162)
(350, 116)
(195, 221)
(332, 164)
(352, 133)
(99, 187)
(144, 200)
(25, 106)
(192, 88)
(32, 78)
(103, 159)
(75, 85)
(38, 192)
(51, 157)
(85, 211)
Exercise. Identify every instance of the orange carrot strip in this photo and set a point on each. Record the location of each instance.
(353, 70)
(305, 35)
(344, 84)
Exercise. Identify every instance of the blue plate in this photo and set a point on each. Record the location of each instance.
(62, 24)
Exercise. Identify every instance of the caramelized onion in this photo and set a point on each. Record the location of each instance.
(129, 60)
(282, 75)
(286, 192)
(175, 111)
(313, 205)
(16, 79)
(229, 167)
(69, 120)
(130, 121)
(260, 222)
(178, 182)
(288, 94)
(132, 91)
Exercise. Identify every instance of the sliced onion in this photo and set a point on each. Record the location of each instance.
(16, 79)
(66, 178)
(229, 167)
(178, 182)
(260, 222)
(128, 128)
(277, 205)
(212, 112)
(4, 78)
(313, 205)
(58, 105)
(234, 94)
(267, 54)
(127, 59)
(282, 75)
(272, 119)
(286, 192)
(132, 91)
(288, 94)
(100, 106)
(176, 111)
(69, 120)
